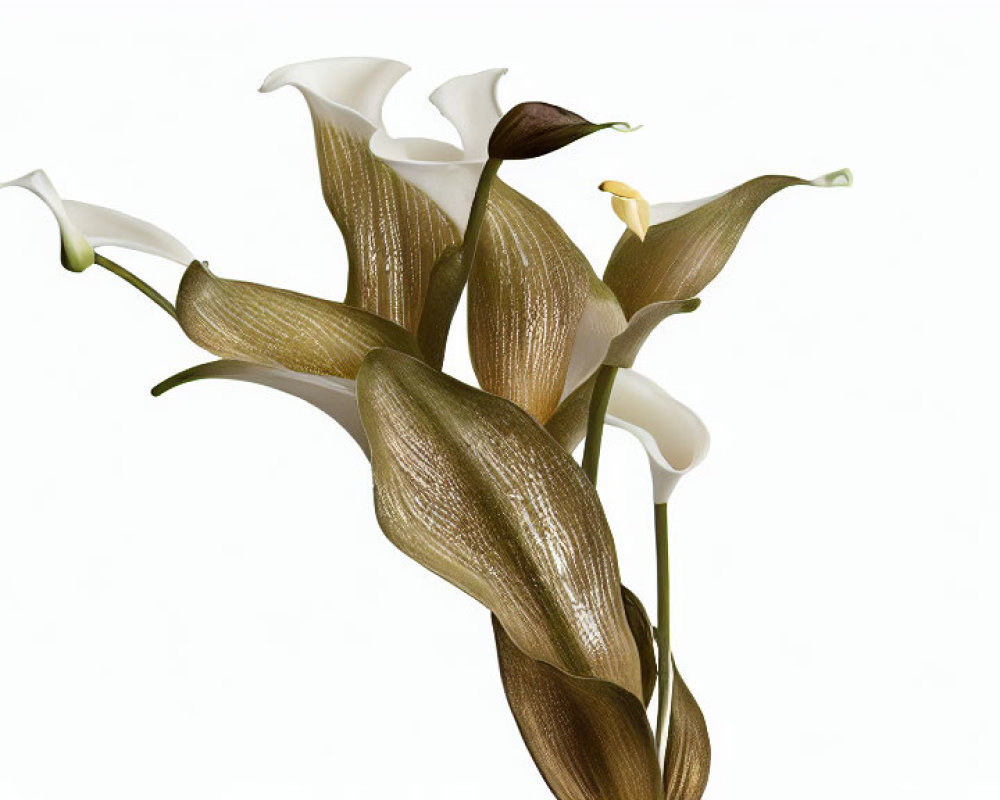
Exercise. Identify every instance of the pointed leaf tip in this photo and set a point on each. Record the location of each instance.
(534, 129)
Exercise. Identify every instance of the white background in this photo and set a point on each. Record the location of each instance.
(195, 599)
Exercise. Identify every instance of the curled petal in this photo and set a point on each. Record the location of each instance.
(279, 328)
(675, 439)
(601, 323)
(335, 397)
(470, 487)
(689, 751)
(589, 738)
(528, 290)
(351, 89)
(84, 227)
(469, 102)
(447, 174)
(568, 424)
(393, 231)
(530, 130)
(687, 244)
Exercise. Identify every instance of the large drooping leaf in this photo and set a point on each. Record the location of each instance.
(689, 243)
(528, 289)
(589, 738)
(471, 487)
(394, 233)
(279, 328)
(689, 751)
(335, 397)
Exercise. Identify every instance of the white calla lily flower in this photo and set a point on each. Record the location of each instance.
(349, 93)
(674, 438)
(85, 227)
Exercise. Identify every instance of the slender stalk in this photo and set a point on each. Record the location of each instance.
(664, 690)
(595, 419)
(137, 282)
(477, 214)
(451, 273)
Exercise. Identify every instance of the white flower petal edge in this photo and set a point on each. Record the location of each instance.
(350, 93)
(675, 439)
(664, 212)
(84, 227)
(335, 397)
(447, 174)
(602, 321)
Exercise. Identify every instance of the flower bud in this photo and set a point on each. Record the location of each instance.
(530, 130)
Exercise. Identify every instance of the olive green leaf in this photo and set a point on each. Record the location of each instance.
(534, 129)
(393, 231)
(335, 397)
(642, 632)
(625, 346)
(276, 327)
(469, 486)
(528, 291)
(689, 751)
(688, 244)
(589, 738)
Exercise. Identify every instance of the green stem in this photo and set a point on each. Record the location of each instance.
(595, 419)
(477, 214)
(451, 273)
(137, 282)
(664, 684)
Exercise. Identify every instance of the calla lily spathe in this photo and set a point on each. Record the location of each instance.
(674, 438)
(84, 227)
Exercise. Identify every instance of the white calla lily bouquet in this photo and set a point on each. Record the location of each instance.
(480, 485)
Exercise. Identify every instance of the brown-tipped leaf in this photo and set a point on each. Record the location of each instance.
(589, 738)
(689, 752)
(689, 243)
(473, 489)
(279, 328)
(534, 129)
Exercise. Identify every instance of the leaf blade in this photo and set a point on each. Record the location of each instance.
(470, 487)
(589, 738)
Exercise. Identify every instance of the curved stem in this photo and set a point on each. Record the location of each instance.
(478, 213)
(137, 282)
(664, 690)
(595, 419)
(451, 273)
